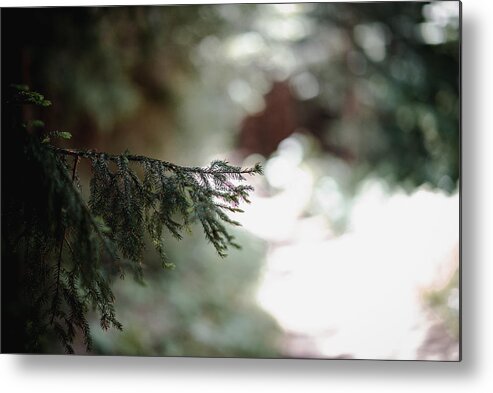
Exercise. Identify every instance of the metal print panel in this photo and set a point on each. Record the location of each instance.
(236, 180)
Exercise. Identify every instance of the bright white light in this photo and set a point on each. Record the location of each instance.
(288, 9)
(283, 62)
(285, 28)
(279, 171)
(283, 167)
(276, 218)
(360, 293)
(241, 92)
(372, 38)
(432, 33)
(442, 12)
(329, 197)
(245, 46)
(305, 86)
(292, 149)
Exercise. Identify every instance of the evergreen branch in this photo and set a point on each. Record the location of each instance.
(91, 218)
(59, 262)
(48, 210)
(226, 169)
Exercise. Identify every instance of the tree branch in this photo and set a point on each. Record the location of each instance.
(137, 158)
(59, 262)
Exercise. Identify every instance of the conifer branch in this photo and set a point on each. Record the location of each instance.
(257, 169)
(124, 206)
(59, 262)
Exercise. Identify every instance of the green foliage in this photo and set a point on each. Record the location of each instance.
(68, 250)
(23, 95)
(202, 309)
(53, 134)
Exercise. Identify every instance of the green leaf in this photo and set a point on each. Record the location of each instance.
(62, 134)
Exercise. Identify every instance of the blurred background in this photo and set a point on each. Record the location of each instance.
(351, 242)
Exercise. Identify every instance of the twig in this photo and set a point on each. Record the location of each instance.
(137, 158)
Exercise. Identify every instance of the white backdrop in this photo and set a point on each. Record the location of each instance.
(84, 374)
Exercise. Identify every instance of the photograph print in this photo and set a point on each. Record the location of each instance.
(232, 180)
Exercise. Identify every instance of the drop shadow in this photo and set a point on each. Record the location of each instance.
(330, 369)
